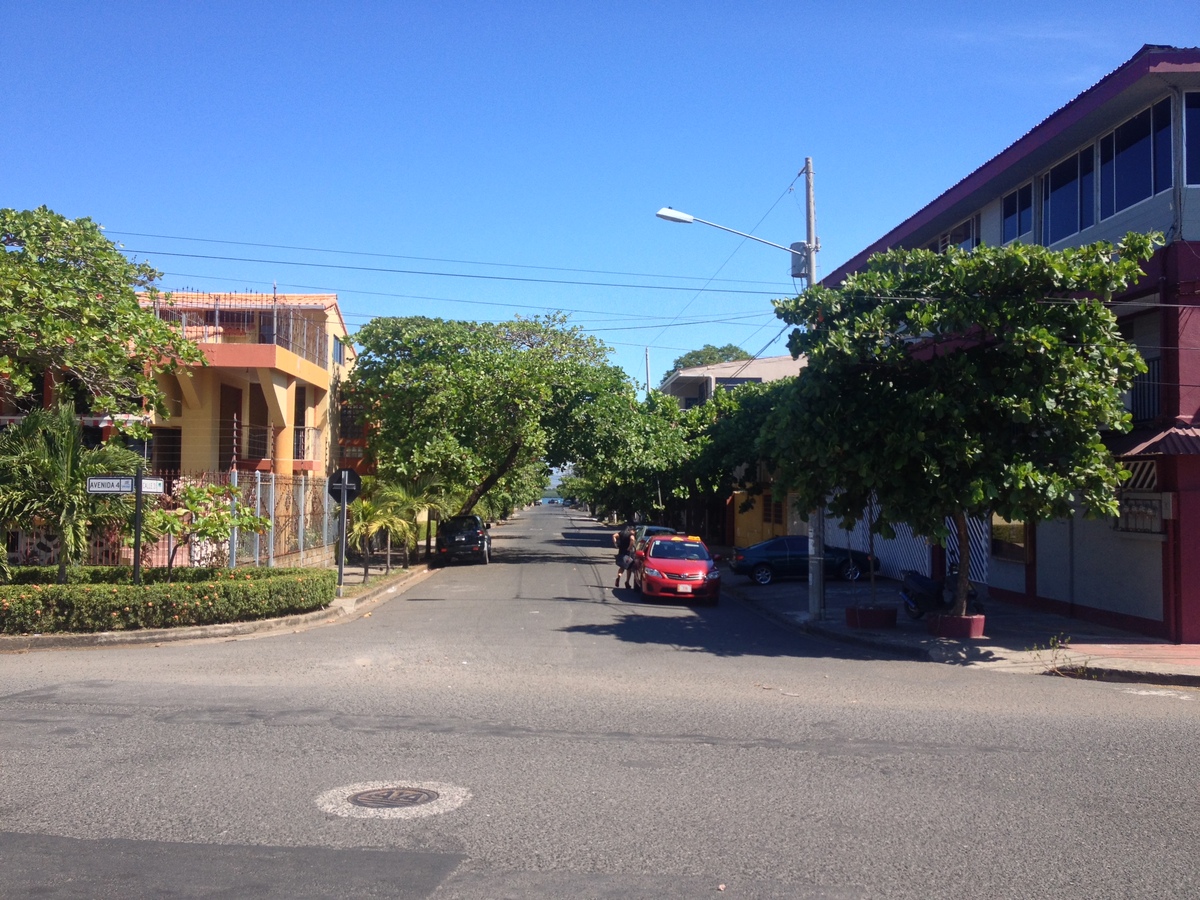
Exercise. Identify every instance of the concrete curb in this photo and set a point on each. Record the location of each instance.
(341, 609)
(1071, 665)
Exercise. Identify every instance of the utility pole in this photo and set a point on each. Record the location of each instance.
(647, 373)
(816, 519)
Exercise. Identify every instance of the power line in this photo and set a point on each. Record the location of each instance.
(465, 262)
(354, 317)
(513, 278)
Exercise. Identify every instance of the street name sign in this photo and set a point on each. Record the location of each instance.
(110, 484)
(153, 485)
(124, 484)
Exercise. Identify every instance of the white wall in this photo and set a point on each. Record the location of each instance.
(1113, 571)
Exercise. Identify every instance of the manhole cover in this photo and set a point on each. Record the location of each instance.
(393, 797)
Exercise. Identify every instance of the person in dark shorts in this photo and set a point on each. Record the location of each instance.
(623, 541)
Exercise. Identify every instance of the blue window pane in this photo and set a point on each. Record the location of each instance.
(1134, 164)
(1063, 201)
(1025, 210)
(1191, 127)
(1045, 210)
(1107, 180)
(1087, 188)
(1010, 217)
(1162, 145)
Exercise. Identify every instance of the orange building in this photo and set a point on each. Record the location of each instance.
(268, 398)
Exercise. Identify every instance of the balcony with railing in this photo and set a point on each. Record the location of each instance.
(222, 319)
(259, 445)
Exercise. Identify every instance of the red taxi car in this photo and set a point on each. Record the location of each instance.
(679, 566)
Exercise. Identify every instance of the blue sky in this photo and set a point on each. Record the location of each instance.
(530, 143)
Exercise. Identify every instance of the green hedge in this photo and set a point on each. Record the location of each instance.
(98, 601)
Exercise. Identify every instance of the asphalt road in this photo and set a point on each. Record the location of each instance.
(583, 744)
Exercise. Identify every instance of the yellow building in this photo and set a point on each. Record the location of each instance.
(268, 398)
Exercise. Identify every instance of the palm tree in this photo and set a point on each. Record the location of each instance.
(368, 519)
(410, 498)
(44, 468)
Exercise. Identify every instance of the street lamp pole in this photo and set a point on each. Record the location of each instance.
(804, 264)
(816, 519)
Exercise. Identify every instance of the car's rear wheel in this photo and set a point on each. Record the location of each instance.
(487, 555)
(762, 574)
(850, 571)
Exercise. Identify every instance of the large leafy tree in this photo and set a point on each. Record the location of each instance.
(68, 305)
(44, 468)
(647, 464)
(950, 385)
(708, 355)
(474, 401)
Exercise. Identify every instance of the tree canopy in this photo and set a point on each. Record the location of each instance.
(479, 402)
(707, 355)
(68, 305)
(951, 385)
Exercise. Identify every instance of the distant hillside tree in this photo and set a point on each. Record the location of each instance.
(708, 355)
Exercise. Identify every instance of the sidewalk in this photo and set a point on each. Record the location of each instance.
(1016, 638)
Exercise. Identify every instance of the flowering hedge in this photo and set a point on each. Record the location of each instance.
(200, 597)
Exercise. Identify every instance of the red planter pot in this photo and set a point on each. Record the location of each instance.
(871, 616)
(957, 627)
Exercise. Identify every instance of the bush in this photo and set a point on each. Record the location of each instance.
(99, 599)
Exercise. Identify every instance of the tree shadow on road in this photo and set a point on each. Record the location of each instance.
(713, 631)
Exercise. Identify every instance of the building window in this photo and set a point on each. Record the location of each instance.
(339, 352)
(772, 510)
(350, 424)
(1009, 539)
(964, 236)
(1018, 213)
(1135, 159)
(1191, 134)
(1069, 197)
(1140, 514)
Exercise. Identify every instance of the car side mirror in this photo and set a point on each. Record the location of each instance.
(640, 554)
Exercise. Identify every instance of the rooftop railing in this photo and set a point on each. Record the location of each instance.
(241, 322)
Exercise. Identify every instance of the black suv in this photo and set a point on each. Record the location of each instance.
(463, 537)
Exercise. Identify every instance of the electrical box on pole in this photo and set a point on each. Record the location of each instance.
(800, 260)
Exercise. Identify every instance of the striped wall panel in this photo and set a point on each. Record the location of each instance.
(907, 551)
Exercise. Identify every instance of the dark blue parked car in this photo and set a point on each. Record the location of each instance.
(785, 556)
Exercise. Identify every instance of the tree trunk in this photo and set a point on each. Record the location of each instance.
(388, 565)
(490, 482)
(963, 585)
(366, 559)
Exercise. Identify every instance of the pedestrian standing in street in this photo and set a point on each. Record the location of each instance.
(623, 541)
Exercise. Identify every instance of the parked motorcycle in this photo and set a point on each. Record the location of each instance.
(922, 594)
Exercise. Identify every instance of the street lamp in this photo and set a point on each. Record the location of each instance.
(804, 265)
(798, 250)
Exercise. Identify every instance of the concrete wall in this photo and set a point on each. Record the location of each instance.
(1109, 570)
(1006, 575)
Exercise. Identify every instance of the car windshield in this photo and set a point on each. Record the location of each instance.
(460, 524)
(678, 550)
